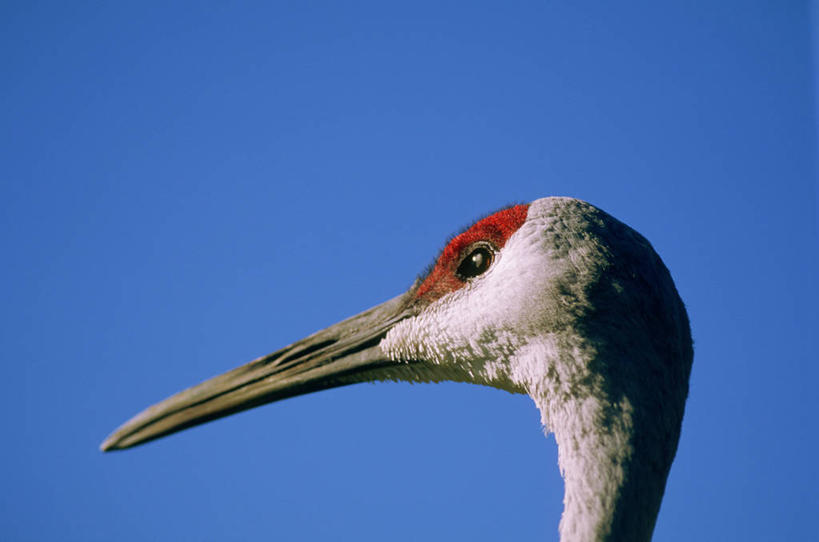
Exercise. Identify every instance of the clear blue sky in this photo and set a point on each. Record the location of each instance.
(185, 188)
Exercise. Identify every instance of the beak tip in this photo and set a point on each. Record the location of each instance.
(108, 445)
(113, 442)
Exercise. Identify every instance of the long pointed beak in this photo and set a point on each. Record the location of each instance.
(341, 354)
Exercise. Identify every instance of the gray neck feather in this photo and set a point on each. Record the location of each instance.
(615, 386)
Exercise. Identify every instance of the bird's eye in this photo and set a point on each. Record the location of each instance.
(477, 261)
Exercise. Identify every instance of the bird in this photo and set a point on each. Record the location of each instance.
(555, 299)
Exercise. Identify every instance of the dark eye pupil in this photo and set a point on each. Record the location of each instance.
(475, 263)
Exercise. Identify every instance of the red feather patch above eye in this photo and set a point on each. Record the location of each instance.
(495, 229)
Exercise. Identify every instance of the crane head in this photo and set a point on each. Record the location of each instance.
(555, 299)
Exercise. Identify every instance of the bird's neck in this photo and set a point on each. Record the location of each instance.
(608, 495)
(613, 480)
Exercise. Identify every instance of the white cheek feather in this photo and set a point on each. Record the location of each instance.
(480, 327)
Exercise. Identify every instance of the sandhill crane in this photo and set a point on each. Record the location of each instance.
(555, 299)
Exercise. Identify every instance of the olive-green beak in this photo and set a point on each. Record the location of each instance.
(341, 354)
